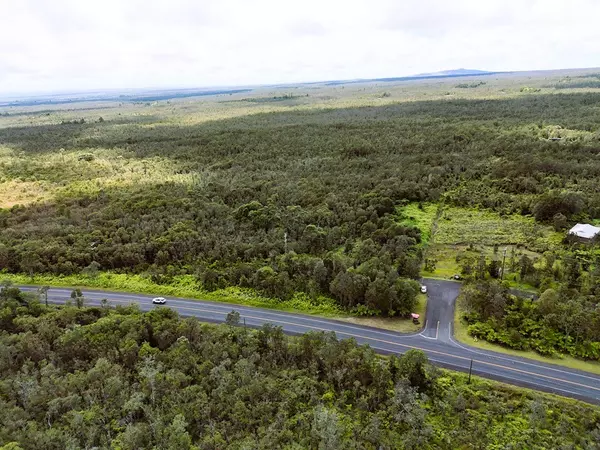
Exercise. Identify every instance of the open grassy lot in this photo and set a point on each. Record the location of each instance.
(469, 232)
(475, 226)
(447, 265)
(422, 216)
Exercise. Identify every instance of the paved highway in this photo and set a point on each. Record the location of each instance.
(435, 340)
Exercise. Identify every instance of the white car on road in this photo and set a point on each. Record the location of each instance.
(423, 289)
(159, 300)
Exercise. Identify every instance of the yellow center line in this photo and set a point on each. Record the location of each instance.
(311, 327)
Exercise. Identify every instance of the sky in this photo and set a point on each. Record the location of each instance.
(74, 45)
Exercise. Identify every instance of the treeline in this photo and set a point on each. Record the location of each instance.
(356, 252)
(275, 98)
(75, 377)
(470, 85)
(576, 84)
(576, 266)
(562, 320)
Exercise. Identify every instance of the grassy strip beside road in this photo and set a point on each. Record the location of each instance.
(394, 324)
(184, 286)
(461, 335)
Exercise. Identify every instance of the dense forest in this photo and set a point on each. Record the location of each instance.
(561, 321)
(291, 197)
(74, 377)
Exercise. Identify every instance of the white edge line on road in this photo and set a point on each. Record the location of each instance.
(250, 308)
(495, 355)
(196, 308)
(516, 381)
(516, 361)
(424, 329)
(404, 345)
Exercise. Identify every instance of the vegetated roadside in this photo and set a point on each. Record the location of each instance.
(392, 323)
(299, 195)
(119, 378)
(184, 287)
(461, 334)
(302, 194)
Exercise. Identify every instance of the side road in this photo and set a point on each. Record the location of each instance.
(440, 309)
(441, 351)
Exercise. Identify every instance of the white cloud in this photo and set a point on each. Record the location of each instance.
(74, 44)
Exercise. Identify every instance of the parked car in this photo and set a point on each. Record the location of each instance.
(457, 277)
(424, 289)
(159, 300)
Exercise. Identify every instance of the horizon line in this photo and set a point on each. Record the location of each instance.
(14, 96)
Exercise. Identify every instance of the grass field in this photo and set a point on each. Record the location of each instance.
(474, 226)
(447, 265)
(445, 257)
(419, 216)
(461, 335)
(474, 232)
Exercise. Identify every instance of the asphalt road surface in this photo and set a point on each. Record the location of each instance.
(435, 340)
(439, 318)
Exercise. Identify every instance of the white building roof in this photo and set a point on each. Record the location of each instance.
(584, 230)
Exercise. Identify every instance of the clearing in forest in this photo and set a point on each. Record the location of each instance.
(448, 232)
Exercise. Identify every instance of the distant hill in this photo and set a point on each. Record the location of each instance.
(443, 74)
(454, 73)
(146, 95)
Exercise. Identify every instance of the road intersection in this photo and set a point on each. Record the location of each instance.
(436, 338)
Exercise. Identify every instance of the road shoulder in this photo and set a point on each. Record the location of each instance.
(234, 297)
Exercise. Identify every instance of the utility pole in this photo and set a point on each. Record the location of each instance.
(470, 369)
(503, 259)
(44, 291)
